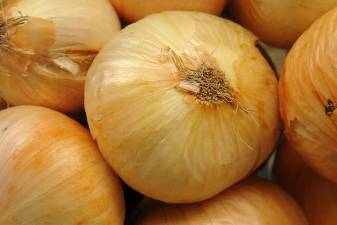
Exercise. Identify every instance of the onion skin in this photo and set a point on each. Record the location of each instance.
(317, 196)
(133, 10)
(279, 23)
(164, 142)
(52, 172)
(307, 86)
(54, 48)
(252, 201)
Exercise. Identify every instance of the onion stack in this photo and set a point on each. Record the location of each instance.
(46, 47)
(316, 195)
(182, 105)
(253, 201)
(308, 96)
(279, 23)
(51, 172)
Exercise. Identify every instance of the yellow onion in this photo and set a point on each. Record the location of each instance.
(133, 10)
(253, 201)
(277, 22)
(46, 47)
(51, 172)
(316, 195)
(308, 96)
(182, 105)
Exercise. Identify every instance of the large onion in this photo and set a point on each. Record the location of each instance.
(52, 173)
(46, 47)
(182, 105)
(279, 22)
(316, 195)
(132, 10)
(253, 201)
(308, 93)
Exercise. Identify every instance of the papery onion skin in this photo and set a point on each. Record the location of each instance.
(51, 172)
(133, 10)
(253, 201)
(316, 195)
(308, 94)
(279, 23)
(47, 56)
(163, 141)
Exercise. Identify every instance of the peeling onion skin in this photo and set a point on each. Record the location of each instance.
(162, 141)
(307, 85)
(316, 195)
(54, 48)
(279, 22)
(133, 10)
(51, 172)
(253, 201)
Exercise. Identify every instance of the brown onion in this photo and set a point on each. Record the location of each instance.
(51, 172)
(316, 195)
(252, 201)
(308, 96)
(133, 10)
(279, 22)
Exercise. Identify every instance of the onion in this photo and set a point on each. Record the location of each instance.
(309, 98)
(46, 47)
(52, 173)
(316, 195)
(182, 105)
(253, 201)
(276, 22)
(133, 10)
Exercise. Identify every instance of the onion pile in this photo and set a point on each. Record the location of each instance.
(253, 201)
(308, 96)
(46, 47)
(316, 195)
(52, 173)
(277, 22)
(182, 105)
(133, 10)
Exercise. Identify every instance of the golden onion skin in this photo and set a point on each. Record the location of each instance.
(51, 172)
(316, 195)
(162, 141)
(307, 96)
(252, 201)
(133, 10)
(45, 58)
(279, 22)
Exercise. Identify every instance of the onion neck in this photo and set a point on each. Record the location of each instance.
(206, 83)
